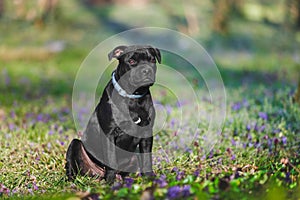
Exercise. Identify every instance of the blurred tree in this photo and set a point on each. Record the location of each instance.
(191, 17)
(297, 2)
(36, 11)
(292, 17)
(1, 8)
(237, 7)
(47, 9)
(223, 9)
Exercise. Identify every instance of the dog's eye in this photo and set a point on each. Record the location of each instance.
(132, 62)
(153, 60)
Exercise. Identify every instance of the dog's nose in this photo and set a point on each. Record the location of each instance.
(146, 71)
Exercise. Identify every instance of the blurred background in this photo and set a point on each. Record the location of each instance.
(43, 42)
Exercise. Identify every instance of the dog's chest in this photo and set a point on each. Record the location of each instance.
(131, 112)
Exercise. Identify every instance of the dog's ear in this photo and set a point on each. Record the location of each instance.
(117, 52)
(156, 53)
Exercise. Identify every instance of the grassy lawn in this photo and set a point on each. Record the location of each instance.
(257, 153)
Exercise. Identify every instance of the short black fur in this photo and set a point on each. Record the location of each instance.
(120, 121)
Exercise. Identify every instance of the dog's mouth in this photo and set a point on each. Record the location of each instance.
(144, 82)
(147, 81)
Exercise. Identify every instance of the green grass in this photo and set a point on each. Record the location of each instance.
(255, 157)
(32, 153)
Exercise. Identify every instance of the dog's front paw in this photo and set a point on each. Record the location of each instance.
(110, 176)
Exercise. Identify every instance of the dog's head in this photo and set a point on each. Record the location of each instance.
(137, 66)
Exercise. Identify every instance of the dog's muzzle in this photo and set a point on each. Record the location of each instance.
(147, 75)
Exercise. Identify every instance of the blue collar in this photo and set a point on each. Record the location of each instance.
(122, 92)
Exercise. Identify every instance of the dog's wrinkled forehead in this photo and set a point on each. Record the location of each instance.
(140, 51)
(141, 54)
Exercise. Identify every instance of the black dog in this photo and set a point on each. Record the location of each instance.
(122, 122)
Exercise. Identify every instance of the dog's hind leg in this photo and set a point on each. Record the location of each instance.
(79, 162)
(73, 161)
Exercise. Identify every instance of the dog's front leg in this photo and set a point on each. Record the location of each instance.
(145, 147)
(111, 159)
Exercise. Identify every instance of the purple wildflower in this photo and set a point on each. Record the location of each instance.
(60, 131)
(175, 169)
(197, 172)
(220, 161)
(244, 145)
(186, 190)
(211, 153)
(236, 106)
(161, 181)
(173, 192)
(38, 158)
(257, 144)
(168, 109)
(249, 137)
(178, 192)
(39, 117)
(270, 143)
(4, 189)
(128, 182)
(30, 191)
(284, 140)
(51, 132)
(288, 177)
(233, 143)
(116, 186)
(188, 150)
(233, 157)
(256, 127)
(65, 110)
(12, 114)
(245, 103)
(180, 175)
(276, 131)
(178, 104)
(248, 127)
(263, 115)
(11, 127)
(172, 122)
(35, 187)
(262, 128)
(14, 191)
(29, 115)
